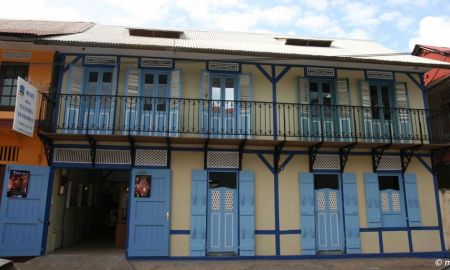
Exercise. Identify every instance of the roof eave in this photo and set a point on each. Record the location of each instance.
(239, 52)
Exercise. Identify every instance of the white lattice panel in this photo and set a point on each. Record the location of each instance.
(218, 159)
(145, 157)
(384, 201)
(390, 163)
(320, 72)
(229, 200)
(109, 156)
(320, 200)
(327, 161)
(215, 200)
(100, 60)
(156, 63)
(72, 155)
(380, 75)
(332, 200)
(16, 55)
(223, 66)
(395, 198)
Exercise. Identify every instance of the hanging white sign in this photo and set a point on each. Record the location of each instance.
(25, 111)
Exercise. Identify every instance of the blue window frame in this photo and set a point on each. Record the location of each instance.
(392, 198)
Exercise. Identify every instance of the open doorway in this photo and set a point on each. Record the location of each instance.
(88, 211)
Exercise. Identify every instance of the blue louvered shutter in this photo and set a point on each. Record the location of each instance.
(175, 103)
(245, 106)
(204, 103)
(307, 213)
(198, 213)
(303, 110)
(131, 102)
(403, 113)
(344, 110)
(372, 200)
(247, 213)
(412, 200)
(366, 112)
(72, 102)
(353, 244)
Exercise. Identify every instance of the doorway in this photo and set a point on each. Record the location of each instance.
(222, 213)
(223, 114)
(329, 225)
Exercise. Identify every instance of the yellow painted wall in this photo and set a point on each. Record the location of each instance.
(395, 242)
(426, 241)
(369, 242)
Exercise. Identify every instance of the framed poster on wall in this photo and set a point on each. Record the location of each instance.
(142, 186)
(18, 184)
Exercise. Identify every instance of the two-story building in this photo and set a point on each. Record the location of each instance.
(192, 143)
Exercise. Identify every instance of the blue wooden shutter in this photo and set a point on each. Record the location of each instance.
(245, 97)
(247, 213)
(175, 103)
(72, 101)
(344, 110)
(372, 200)
(412, 200)
(353, 244)
(366, 112)
(307, 213)
(303, 110)
(198, 212)
(403, 114)
(204, 106)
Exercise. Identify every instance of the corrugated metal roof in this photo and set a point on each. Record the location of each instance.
(41, 28)
(251, 44)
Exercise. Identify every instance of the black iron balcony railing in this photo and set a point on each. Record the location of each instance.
(150, 116)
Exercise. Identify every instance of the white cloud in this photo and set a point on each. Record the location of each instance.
(433, 31)
(318, 5)
(361, 14)
(38, 10)
(359, 34)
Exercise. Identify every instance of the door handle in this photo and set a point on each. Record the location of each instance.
(167, 215)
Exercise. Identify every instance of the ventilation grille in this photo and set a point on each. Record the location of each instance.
(157, 158)
(107, 156)
(16, 55)
(100, 60)
(229, 160)
(319, 72)
(327, 162)
(156, 63)
(9, 153)
(71, 155)
(390, 163)
(380, 75)
(223, 66)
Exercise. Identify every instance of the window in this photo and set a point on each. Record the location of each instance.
(8, 83)
(222, 179)
(391, 201)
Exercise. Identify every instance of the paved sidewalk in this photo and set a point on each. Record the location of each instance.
(118, 261)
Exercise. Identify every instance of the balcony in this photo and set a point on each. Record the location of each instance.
(150, 119)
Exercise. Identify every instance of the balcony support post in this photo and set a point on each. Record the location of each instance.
(241, 152)
(132, 150)
(205, 154)
(276, 156)
(313, 151)
(48, 148)
(344, 153)
(169, 152)
(92, 148)
(377, 155)
(406, 155)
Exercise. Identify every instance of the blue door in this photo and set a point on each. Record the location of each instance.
(382, 114)
(222, 209)
(22, 210)
(322, 110)
(97, 102)
(328, 213)
(149, 219)
(153, 105)
(223, 109)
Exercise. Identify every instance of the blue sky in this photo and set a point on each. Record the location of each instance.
(397, 24)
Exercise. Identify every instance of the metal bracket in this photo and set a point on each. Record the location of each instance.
(377, 154)
(92, 148)
(205, 154)
(313, 150)
(406, 155)
(169, 153)
(241, 152)
(48, 148)
(344, 152)
(132, 150)
(276, 156)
